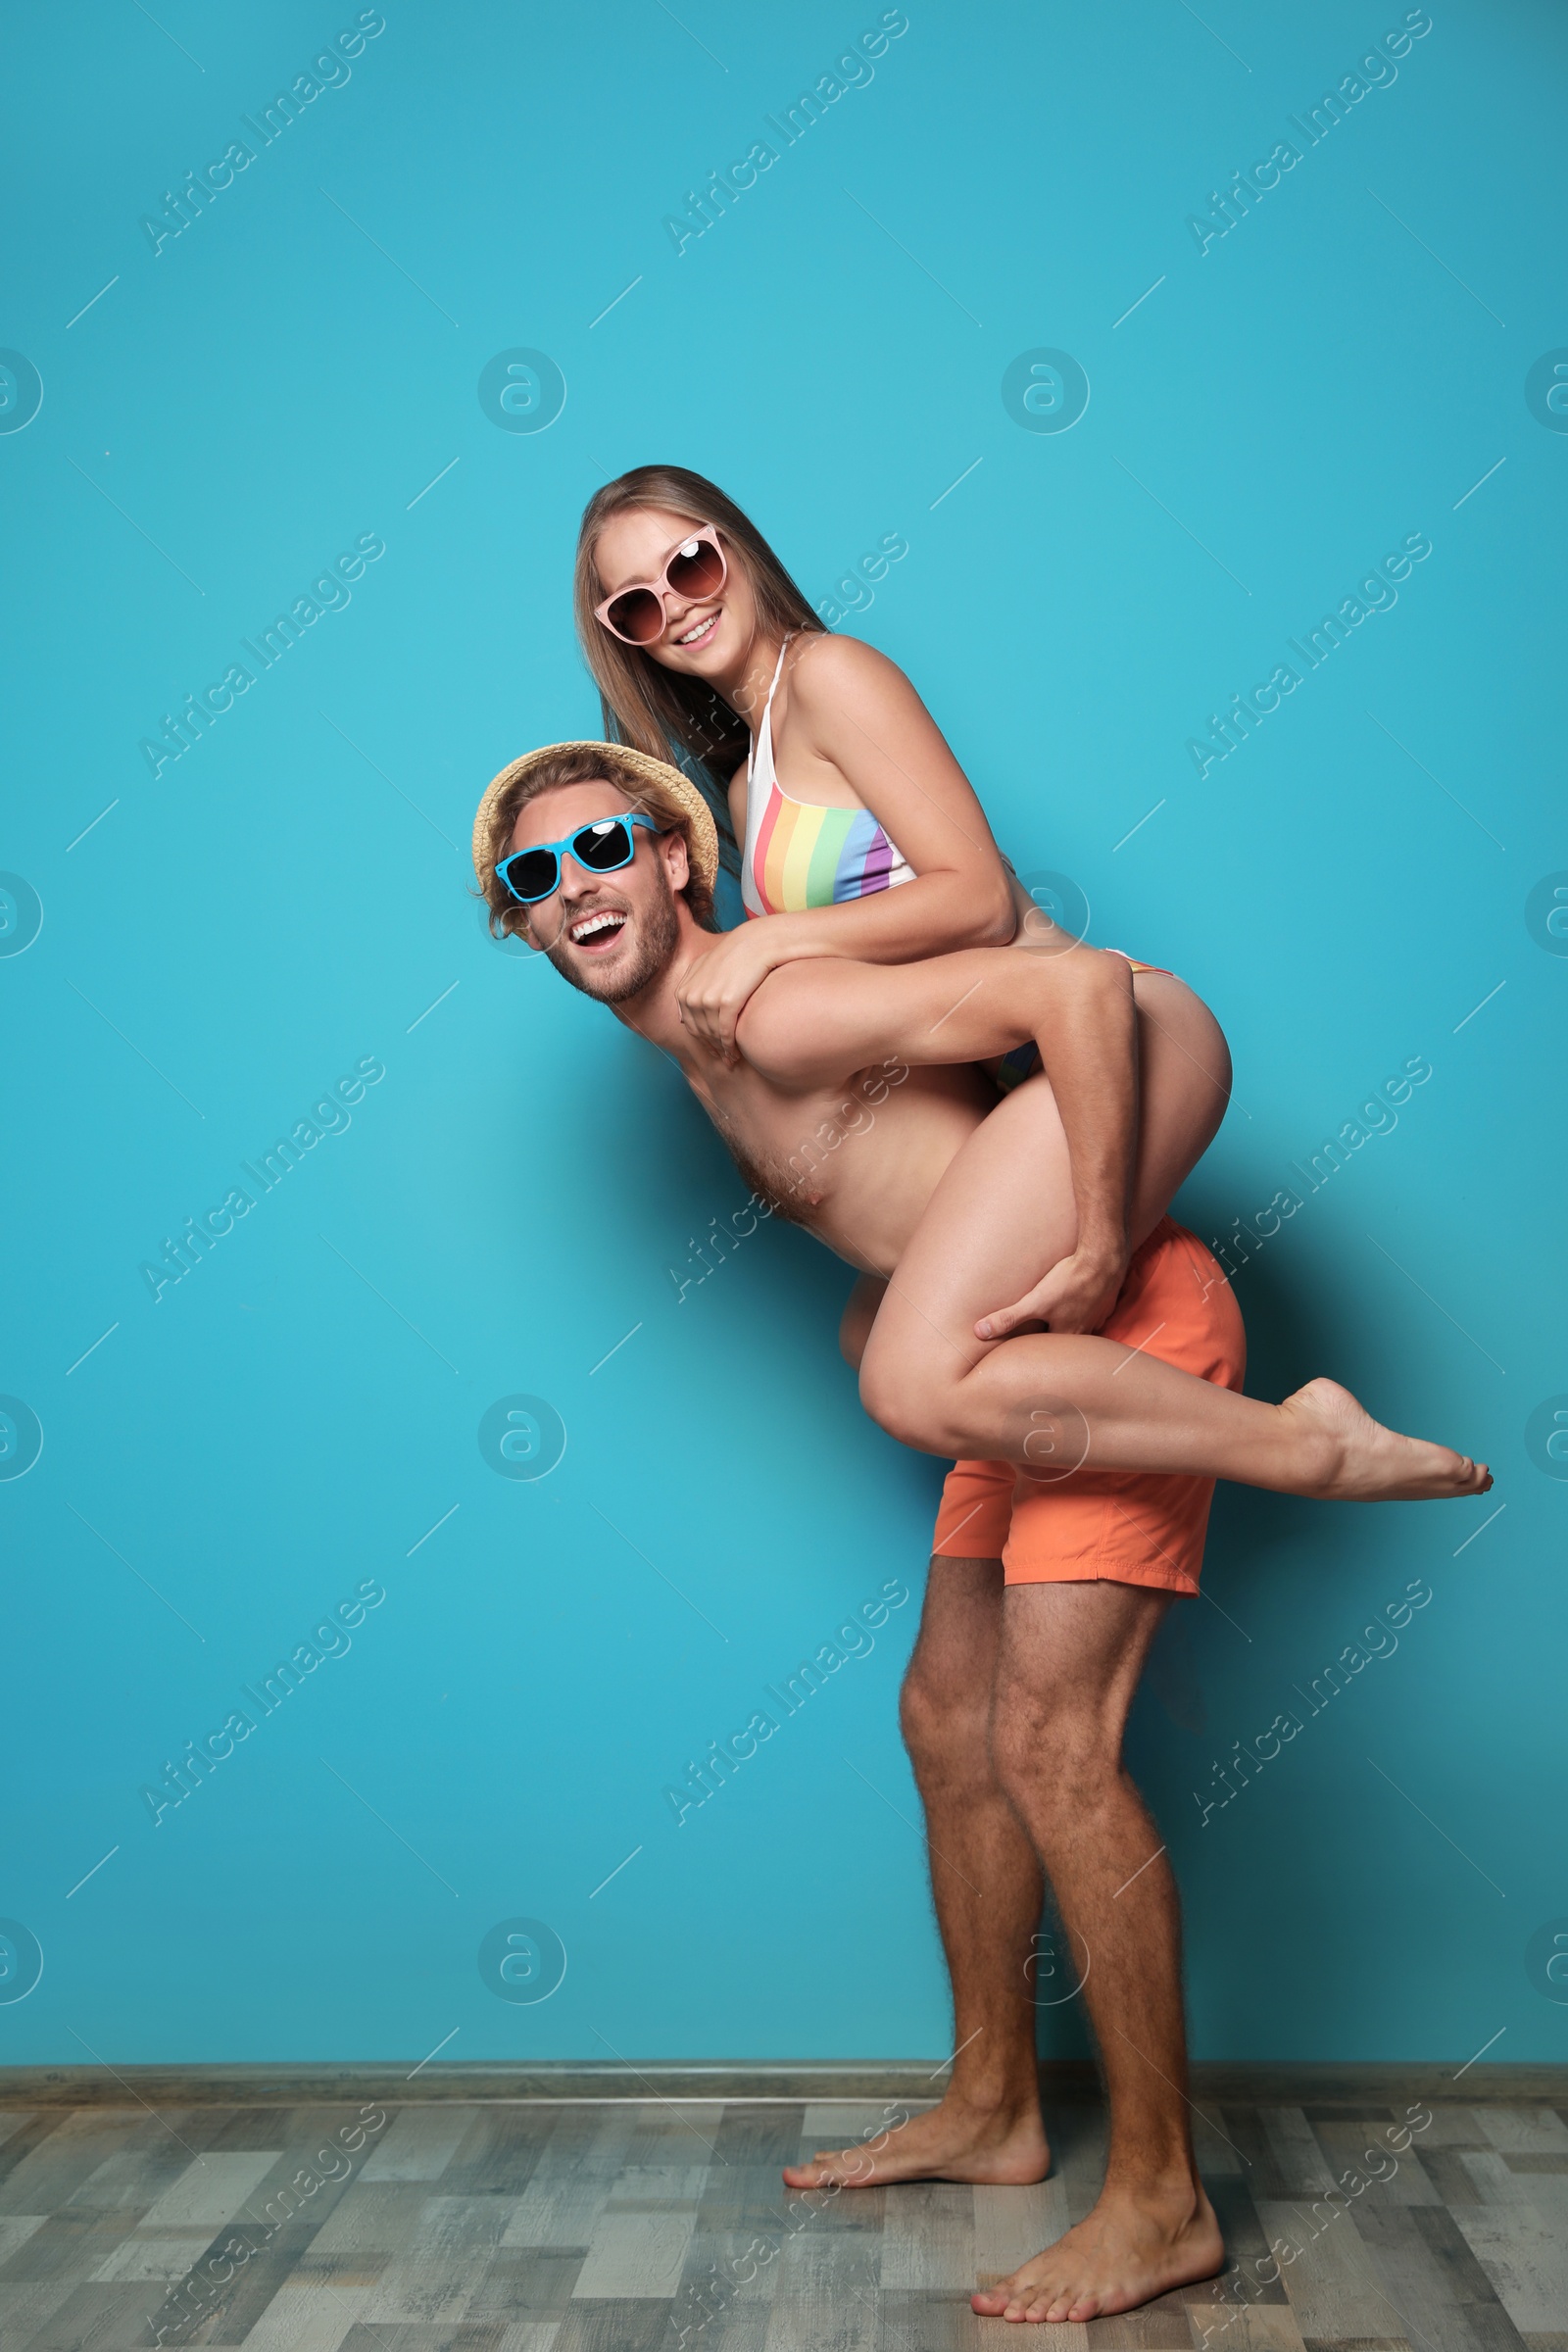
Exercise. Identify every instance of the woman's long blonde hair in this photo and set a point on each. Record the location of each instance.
(661, 711)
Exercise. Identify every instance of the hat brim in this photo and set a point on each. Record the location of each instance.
(701, 832)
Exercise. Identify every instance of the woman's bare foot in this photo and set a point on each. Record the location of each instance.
(1352, 1458)
(1132, 2247)
(953, 2141)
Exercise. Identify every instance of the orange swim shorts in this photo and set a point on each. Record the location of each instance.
(1113, 1525)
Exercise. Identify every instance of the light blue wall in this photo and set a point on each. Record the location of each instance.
(286, 900)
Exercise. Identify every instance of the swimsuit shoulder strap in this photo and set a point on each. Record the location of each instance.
(761, 766)
(778, 670)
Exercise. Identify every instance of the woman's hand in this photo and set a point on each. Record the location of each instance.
(1076, 1295)
(713, 991)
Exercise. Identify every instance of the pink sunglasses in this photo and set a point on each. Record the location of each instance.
(696, 568)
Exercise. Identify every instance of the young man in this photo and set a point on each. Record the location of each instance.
(853, 1105)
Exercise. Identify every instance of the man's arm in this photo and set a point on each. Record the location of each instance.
(812, 1024)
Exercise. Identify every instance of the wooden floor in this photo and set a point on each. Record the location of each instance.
(531, 2226)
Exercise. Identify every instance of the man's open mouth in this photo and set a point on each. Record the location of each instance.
(699, 634)
(595, 932)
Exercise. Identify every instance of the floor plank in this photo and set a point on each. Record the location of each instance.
(210, 2190)
(928, 2237)
(1526, 2257)
(24, 2309)
(153, 2254)
(434, 2275)
(1434, 2282)
(633, 2326)
(1451, 2127)
(852, 2123)
(377, 2219)
(1248, 2327)
(749, 2197)
(1392, 2176)
(396, 2335)
(15, 2231)
(70, 2245)
(57, 2156)
(526, 2283)
(1331, 2281)
(825, 2295)
(1011, 2225)
(316, 2305)
(573, 2179)
(106, 2319)
(1524, 2131)
(498, 2153)
(942, 2322)
(419, 2145)
(636, 2251)
(1246, 2241)
(1298, 2154)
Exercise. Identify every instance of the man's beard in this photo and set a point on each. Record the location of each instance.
(657, 938)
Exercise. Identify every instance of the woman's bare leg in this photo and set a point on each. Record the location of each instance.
(1002, 1215)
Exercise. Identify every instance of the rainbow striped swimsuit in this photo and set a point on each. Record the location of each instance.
(800, 853)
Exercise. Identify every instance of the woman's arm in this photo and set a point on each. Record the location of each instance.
(856, 719)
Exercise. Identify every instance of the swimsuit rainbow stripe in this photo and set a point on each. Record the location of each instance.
(809, 855)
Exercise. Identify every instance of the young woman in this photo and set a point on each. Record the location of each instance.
(856, 832)
(718, 655)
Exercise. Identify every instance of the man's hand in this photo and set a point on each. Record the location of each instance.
(808, 1024)
(715, 989)
(1076, 1295)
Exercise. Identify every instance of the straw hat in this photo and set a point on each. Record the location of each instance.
(703, 835)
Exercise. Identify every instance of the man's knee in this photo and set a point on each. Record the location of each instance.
(944, 1727)
(1049, 1748)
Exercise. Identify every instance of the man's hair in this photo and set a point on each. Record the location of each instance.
(583, 767)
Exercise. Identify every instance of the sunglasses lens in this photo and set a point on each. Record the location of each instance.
(532, 876)
(696, 569)
(602, 848)
(638, 616)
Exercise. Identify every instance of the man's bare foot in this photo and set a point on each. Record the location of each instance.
(1002, 2147)
(1355, 1460)
(1131, 2248)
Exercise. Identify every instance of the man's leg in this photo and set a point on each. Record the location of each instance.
(1070, 1658)
(986, 1883)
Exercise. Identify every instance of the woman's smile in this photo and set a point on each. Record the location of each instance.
(701, 632)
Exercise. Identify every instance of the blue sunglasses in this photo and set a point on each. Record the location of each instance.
(600, 847)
